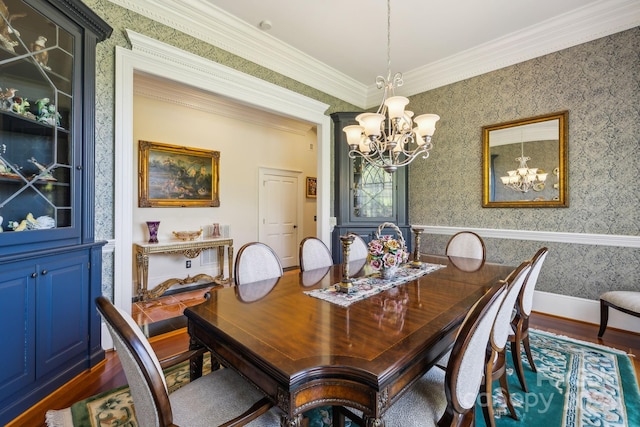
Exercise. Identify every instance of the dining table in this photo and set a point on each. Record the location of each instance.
(362, 352)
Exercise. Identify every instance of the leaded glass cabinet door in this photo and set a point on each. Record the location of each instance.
(372, 192)
(39, 155)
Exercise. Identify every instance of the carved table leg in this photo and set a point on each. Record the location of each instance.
(373, 422)
(195, 364)
(295, 422)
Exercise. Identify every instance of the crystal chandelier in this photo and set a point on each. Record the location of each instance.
(524, 178)
(387, 138)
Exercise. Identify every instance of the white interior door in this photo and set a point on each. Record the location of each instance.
(279, 213)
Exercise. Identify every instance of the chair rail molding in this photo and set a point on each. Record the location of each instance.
(541, 236)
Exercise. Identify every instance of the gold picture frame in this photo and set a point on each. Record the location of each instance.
(312, 187)
(176, 176)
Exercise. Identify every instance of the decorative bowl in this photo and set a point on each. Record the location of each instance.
(187, 235)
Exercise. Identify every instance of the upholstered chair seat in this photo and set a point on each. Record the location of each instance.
(624, 301)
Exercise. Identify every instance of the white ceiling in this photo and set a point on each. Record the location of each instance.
(340, 46)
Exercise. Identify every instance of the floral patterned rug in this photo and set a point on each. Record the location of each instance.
(577, 384)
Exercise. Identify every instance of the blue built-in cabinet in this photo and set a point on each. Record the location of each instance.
(50, 262)
(365, 196)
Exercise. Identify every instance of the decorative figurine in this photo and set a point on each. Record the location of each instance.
(42, 57)
(21, 106)
(5, 169)
(6, 31)
(7, 98)
(47, 112)
(44, 173)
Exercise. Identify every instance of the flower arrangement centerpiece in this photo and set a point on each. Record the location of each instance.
(387, 252)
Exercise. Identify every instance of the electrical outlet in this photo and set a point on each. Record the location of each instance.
(189, 264)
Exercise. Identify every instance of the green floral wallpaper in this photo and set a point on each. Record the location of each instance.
(598, 82)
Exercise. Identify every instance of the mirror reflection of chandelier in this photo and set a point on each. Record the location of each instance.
(524, 178)
(387, 138)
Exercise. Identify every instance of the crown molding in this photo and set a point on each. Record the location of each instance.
(588, 23)
(206, 22)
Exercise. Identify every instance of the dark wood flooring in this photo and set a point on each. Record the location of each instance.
(108, 374)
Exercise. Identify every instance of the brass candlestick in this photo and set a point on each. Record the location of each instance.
(346, 283)
(416, 248)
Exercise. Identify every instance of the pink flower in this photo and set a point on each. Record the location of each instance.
(376, 247)
(390, 260)
(376, 264)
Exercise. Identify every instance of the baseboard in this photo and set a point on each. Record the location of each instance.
(581, 309)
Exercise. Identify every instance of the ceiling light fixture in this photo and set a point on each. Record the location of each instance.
(387, 138)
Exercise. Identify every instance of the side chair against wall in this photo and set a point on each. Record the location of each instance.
(624, 301)
(211, 400)
(520, 321)
(255, 262)
(314, 254)
(496, 363)
(447, 399)
(466, 244)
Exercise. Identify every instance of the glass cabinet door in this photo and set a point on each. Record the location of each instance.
(37, 157)
(372, 194)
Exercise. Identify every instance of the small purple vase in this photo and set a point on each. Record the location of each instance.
(153, 231)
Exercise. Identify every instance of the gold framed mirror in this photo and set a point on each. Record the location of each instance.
(525, 163)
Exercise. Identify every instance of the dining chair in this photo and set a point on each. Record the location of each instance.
(358, 249)
(314, 254)
(496, 362)
(448, 398)
(624, 301)
(221, 397)
(466, 244)
(520, 322)
(256, 261)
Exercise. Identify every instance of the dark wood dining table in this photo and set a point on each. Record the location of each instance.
(306, 352)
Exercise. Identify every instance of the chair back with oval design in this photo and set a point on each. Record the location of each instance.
(255, 262)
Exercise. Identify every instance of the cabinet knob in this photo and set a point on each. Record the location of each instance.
(34, 275)
(79, 167)
(44, 272)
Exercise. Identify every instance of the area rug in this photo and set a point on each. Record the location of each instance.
(578, 384)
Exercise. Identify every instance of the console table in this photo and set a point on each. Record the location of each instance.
(190, 249)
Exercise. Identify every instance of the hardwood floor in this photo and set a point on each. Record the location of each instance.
(108, 374)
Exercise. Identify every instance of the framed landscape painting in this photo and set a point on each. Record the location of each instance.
(176, 176)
